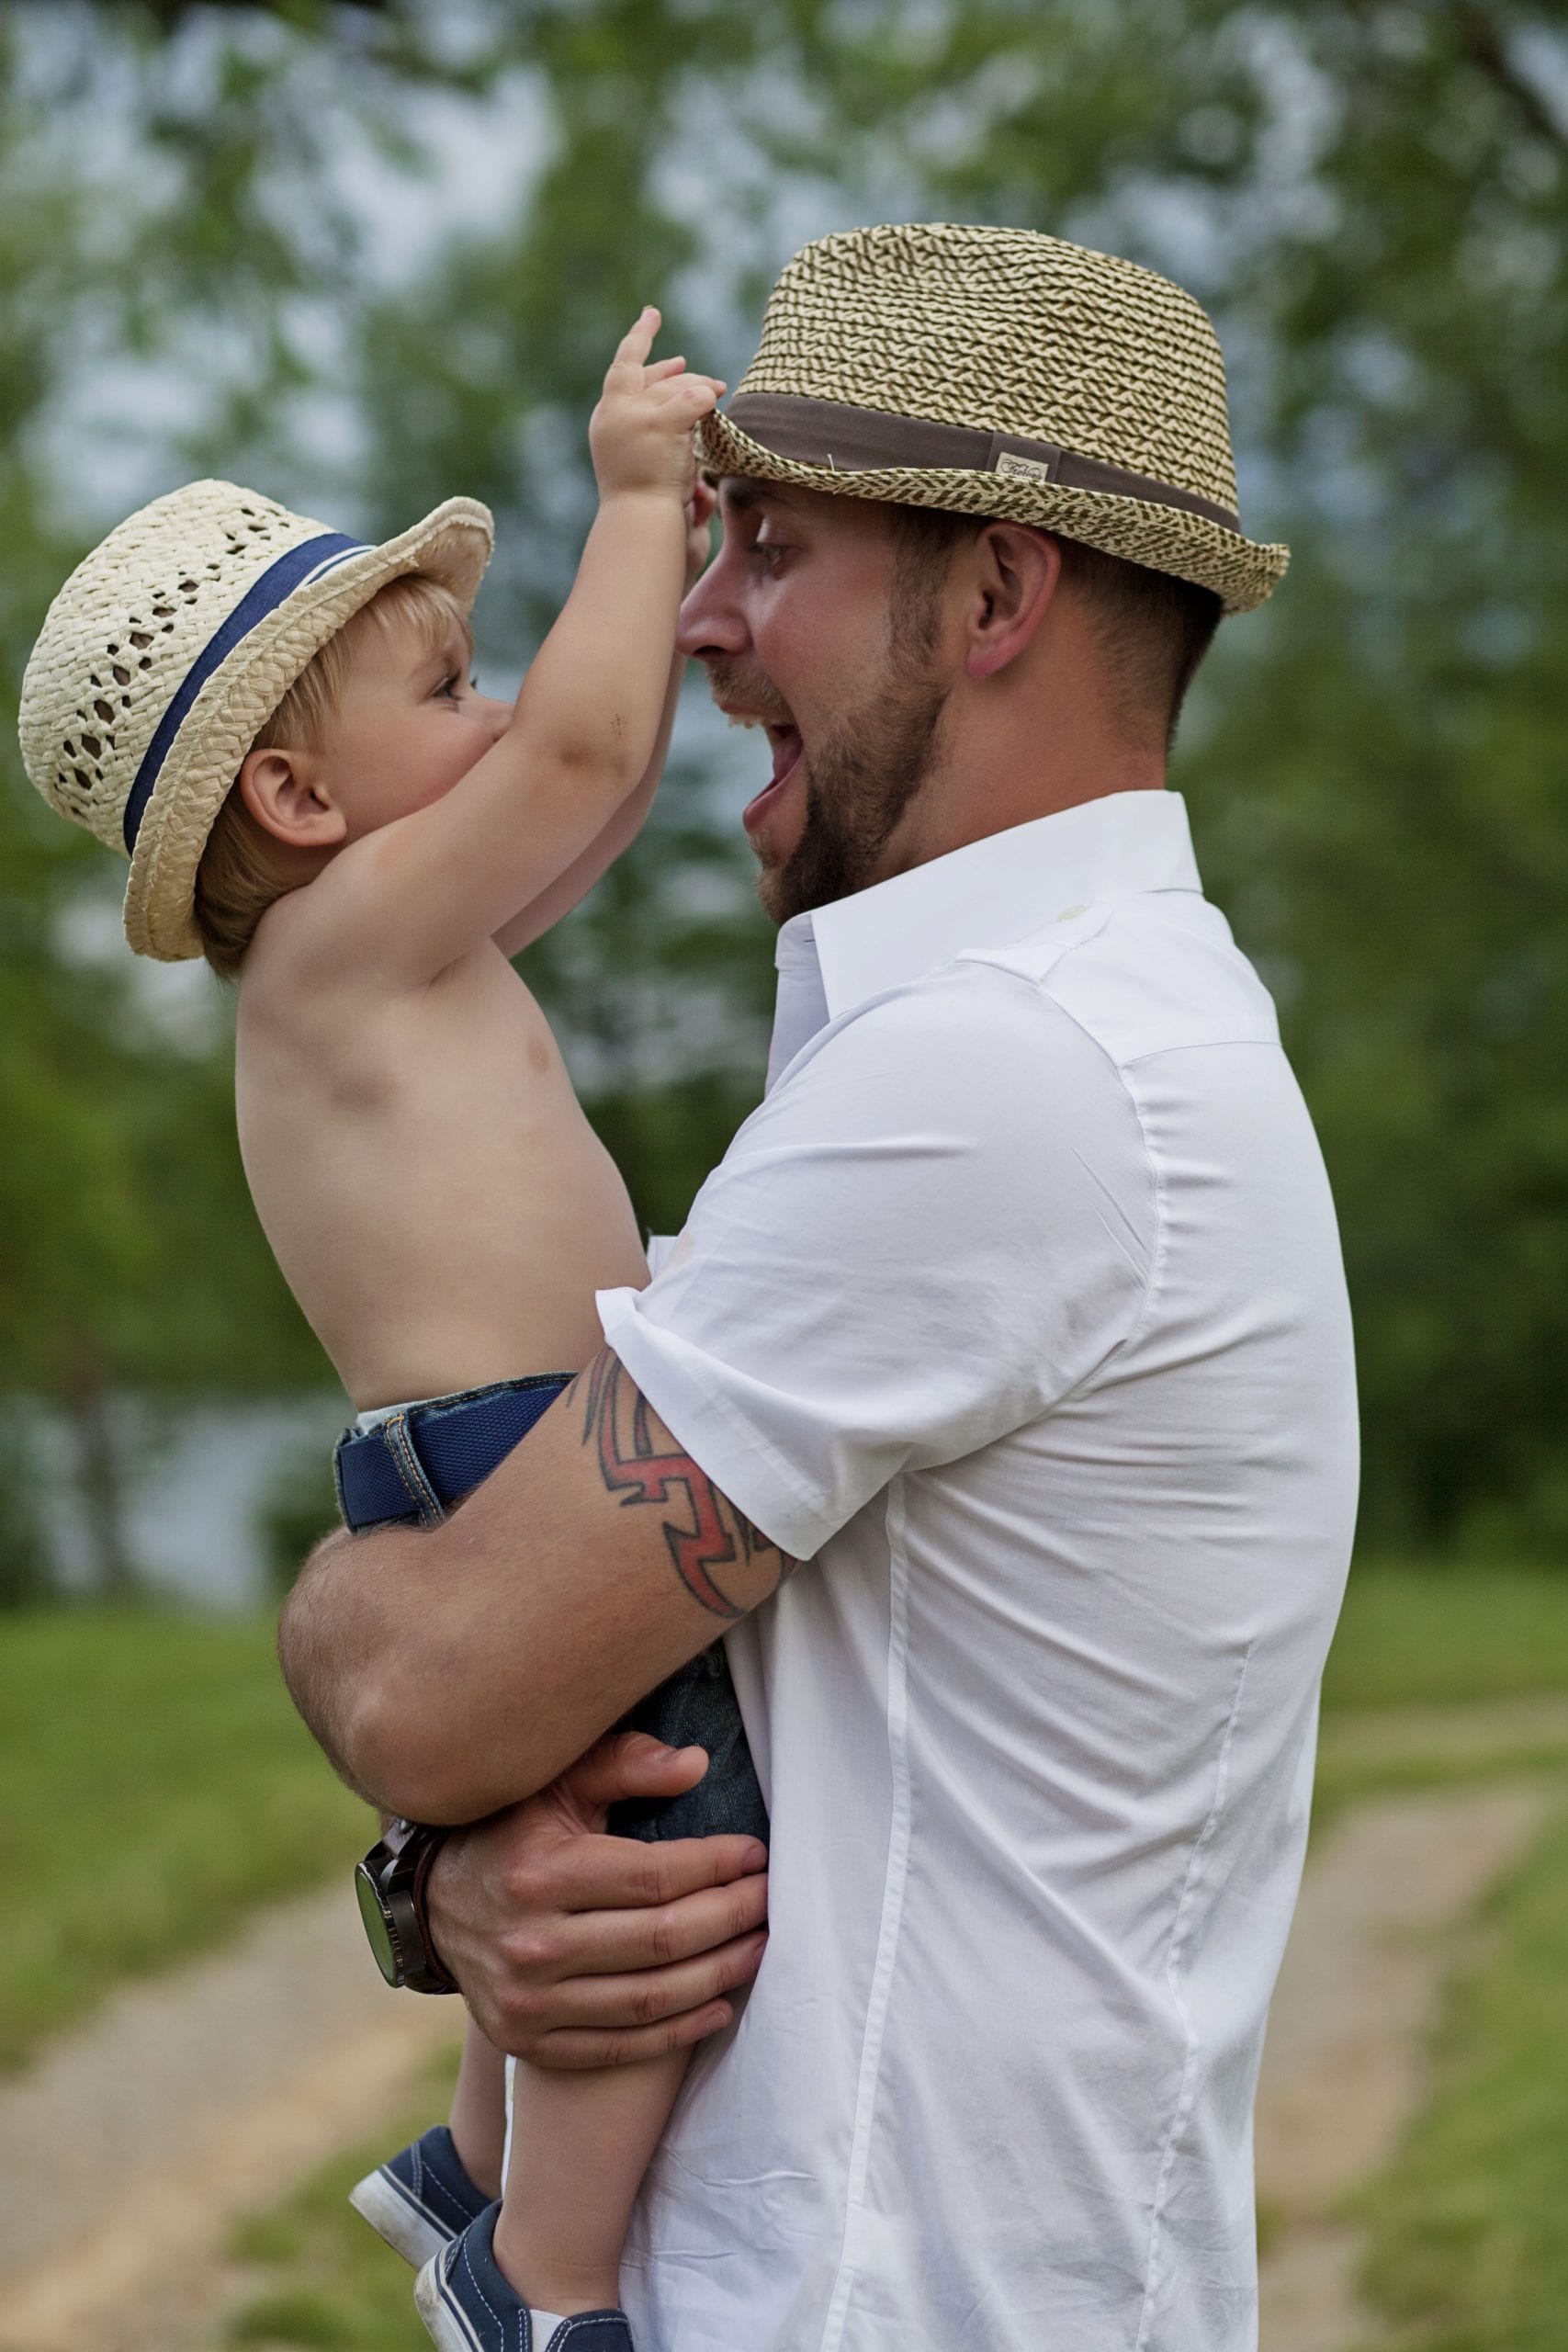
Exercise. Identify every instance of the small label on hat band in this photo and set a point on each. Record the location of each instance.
(1022, 469)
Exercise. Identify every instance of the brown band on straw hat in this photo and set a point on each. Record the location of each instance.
(860, 440)
(1008, 375)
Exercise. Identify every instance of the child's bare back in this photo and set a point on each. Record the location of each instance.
(428, 1181)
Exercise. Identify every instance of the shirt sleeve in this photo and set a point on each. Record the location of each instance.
(939, 1222)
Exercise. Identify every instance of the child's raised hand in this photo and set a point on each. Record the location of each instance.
(641, 434)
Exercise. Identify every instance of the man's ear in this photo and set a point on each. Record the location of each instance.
(1017, 570)
(283, 791)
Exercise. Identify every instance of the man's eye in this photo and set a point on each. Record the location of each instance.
(770, 553)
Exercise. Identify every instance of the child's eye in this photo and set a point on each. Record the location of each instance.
(449, 684)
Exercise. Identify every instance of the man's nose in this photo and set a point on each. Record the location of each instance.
(711, 620)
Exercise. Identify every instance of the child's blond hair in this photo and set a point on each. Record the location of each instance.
(240, 874)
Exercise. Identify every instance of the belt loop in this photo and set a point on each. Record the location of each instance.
(411, 1469)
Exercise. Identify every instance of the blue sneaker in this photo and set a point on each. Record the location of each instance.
(420, 2199)
(469, 2306)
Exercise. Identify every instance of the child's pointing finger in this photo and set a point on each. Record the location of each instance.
(637, 342)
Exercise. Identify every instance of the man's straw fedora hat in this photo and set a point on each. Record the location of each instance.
(171, 646)
(1001, 373)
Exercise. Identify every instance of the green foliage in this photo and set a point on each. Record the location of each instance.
(1411, 1636)
(298, 1508)
(24, 1555)
(1371, 198)
(158, 1788)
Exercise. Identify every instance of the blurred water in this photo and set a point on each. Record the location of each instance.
(198, 1480)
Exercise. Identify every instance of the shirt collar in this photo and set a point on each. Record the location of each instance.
(988, 894)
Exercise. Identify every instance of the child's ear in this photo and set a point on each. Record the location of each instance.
(283, 793)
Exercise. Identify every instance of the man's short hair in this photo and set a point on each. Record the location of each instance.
(241, 871)
(1153, 628)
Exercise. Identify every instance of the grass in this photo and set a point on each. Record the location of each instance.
(322, 2281)
(1443, 1676)
(157, 1786)
(1468, 2251)
(1413, 1637)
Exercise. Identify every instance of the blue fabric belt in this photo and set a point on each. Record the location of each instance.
(419, 1464)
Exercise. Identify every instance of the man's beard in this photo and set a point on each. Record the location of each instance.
(861, 779)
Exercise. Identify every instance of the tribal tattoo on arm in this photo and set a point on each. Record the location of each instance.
(725, 1561)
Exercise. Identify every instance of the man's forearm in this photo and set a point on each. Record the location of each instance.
(372, 1643)
(450, 1672)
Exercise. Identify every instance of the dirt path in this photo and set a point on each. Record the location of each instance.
(1349, 2029)
(130, 2149)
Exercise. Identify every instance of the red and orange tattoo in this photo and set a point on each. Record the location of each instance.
(641, 1462)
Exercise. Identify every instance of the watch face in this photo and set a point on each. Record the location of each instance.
(376, 1926)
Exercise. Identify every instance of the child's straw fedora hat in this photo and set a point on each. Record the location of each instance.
(171, 646)
(1004, 374)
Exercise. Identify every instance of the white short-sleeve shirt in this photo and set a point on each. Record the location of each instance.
(1017, 1311)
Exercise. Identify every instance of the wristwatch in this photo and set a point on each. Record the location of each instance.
(391, 1884)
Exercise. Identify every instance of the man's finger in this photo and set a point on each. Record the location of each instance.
(594, 1873)
(647, 1996)
(571, 2052)
(607, 1942)
(632, 1764)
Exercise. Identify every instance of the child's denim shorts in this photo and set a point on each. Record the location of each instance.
(414, 1467)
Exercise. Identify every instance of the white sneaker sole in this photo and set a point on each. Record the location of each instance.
(444, 2323)
(409, 2228)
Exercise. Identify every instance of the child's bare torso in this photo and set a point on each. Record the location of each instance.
(438, 1203)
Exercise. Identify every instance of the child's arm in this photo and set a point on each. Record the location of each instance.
(569, 888)
(627, 822)
(405, 900)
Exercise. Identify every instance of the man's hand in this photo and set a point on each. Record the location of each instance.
(574, 1949)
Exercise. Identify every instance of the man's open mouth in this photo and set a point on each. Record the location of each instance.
(785, 742)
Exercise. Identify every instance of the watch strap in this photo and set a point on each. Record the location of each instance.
(434, 1975)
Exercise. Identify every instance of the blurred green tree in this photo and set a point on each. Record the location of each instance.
(1374, 201)
(1370, 194)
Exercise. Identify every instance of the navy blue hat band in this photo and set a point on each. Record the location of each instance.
(300, 566)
